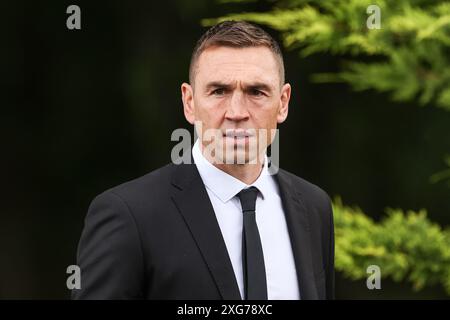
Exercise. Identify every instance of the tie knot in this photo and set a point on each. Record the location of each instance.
(248, 198)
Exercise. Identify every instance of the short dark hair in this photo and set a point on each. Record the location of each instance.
(235, 34)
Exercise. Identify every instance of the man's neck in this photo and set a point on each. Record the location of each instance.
(247, 173)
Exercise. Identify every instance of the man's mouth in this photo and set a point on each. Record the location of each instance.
(237, 133)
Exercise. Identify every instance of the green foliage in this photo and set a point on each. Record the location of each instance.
(409, 56)
(406, 246)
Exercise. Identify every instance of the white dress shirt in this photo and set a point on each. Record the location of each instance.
(279, 262)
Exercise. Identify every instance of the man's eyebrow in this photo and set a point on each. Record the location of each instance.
(250, 86)
(217, 84)
(259, 86)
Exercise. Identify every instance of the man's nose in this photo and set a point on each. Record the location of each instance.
(237, 109)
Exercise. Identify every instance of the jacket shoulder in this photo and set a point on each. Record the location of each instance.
(303, 185)
(311, 194)
(150, 185)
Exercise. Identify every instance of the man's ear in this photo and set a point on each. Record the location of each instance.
(284, 103)
(187, 96)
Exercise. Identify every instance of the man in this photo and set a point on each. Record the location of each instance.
(222, 227)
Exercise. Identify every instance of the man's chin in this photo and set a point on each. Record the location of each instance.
(240, 157)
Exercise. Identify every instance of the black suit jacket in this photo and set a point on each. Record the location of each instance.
(157, 237)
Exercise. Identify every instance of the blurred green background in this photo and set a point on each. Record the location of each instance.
(100, 104)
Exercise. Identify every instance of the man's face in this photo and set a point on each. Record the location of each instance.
(238, 92)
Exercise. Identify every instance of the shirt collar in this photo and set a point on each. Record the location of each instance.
(223, 185)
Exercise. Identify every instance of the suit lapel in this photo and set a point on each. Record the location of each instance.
(192, 200)
(298, 226)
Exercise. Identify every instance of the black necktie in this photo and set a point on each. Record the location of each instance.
(255, 286)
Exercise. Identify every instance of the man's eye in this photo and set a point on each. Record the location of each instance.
(256, 92)
(219, 92)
